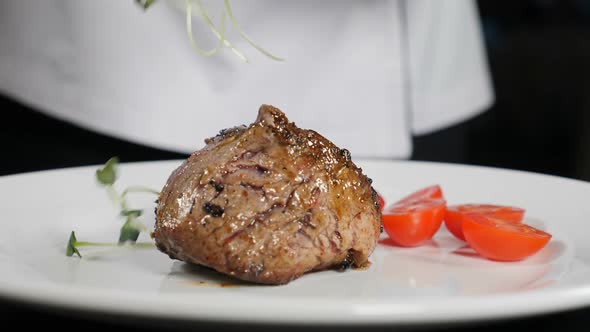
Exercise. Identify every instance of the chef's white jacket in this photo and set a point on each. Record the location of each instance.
(366, 74)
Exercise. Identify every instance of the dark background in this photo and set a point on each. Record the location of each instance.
(539, 55)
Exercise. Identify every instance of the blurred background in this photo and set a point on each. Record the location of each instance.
(538, 52)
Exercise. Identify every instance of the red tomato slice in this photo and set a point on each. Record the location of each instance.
(381, 201)
(502, 240)
(425, 193)
(414, 223)
(455, 213)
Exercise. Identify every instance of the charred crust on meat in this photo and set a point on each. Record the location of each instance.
(230, 131)
(214, 210)
(224, 133)
(375, 198)
(218, 186)
(346, 154)
(378, 207)
(348, 261)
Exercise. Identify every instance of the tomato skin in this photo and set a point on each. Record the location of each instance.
(381, 201)
(454, 223)
(502, 240)
(412, 224)
(455, 213)
(431, 192)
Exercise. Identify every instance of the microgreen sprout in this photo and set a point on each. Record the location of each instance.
(129, 232)
(234, 21)
(107, 176)
(218, 35)
(74, 245)
(145, 4)
(200, 11)
(131, 228)
(72, 248)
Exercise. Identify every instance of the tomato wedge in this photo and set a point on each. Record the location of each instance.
(414, 223)
(454, 215)
(502, 240)
(431, 192)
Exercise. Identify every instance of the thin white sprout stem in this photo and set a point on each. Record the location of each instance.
(227, 43)
(139, 189)
(243, 34)
(189, 30)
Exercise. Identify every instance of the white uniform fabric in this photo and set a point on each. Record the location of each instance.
(365, 74)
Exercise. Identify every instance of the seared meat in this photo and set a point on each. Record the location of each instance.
(267, 203)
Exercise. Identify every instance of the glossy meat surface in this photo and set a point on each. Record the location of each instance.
(267, 203)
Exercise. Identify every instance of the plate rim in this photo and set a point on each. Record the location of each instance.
(56, 295)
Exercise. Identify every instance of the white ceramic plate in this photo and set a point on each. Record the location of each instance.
(438, 282)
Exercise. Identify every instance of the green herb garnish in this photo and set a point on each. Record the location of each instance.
(129, 233)
(145, 4)
(74, 244)
(71, 248)
(131, 213)
(131, 228)
(106, 176)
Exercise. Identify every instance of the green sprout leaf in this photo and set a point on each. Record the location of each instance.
(145, 4)
(107, 175)
(129, 232)
(131, 213)
(132, 228)
(74, 244)
(71, 247)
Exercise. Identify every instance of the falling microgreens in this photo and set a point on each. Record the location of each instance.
(107, 176)
(200, 11)
(145, 3)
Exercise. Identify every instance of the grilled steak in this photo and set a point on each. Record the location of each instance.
(267, 203)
